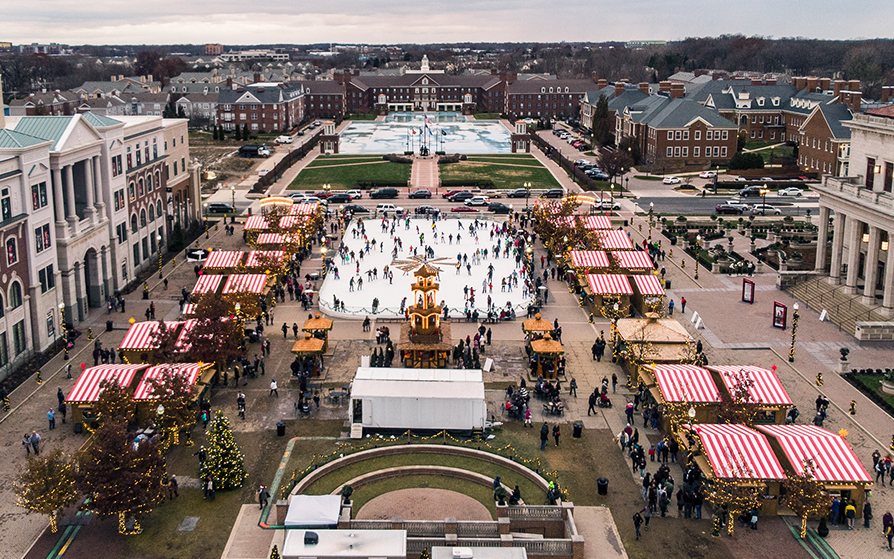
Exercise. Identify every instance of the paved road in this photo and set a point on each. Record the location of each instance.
(706, 205)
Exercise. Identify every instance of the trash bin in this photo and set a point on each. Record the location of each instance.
(673, 241)
(602, 486)
(280, 429)
(626, 223)
(145, 294)
(78, 428)
(578, 429)
(667, 284)
(108, 325)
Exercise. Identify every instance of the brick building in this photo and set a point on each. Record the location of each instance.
(263, 107)
(213, 49)
(545, 98)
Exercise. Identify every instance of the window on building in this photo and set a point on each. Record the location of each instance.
(151, 212)
(870, 172)
(696, 151)
(39, 195)
(119, 200)
(51, 324)
(133, 191)
(685, 151)
(158, 211)
(145, 244)
(175, 168)
(149, 183)
(139, 157)
(42, 238)
(46, 278)
(133, 224)
(142, 218)
(726, 134)
(15, 295)
(709, 134)
(12, 251)
(678, 134)
(677, 151)
(136, 254)
(4, 354)
(670, 152)
(670, 134)
(116, 165)
(121, 230)
(723, 151)
(5, 204)
(697, 135)
(19, 341)
(760, 134)
(716, 151)
(889, 176)
(183, 164)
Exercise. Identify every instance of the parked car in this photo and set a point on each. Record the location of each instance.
(518, 193)
(606, 205)
(263, 172)
(741, 179)
(767, 179)
(421, 193)
(461, 196)
(498, 208)
(219, 208)
(253, 150)
(301, 132)
(383, 193)
(730, 209)
(450, 193)
(555, 193)
(671, 180)
(707, 175)
(356, 209)
(283, 139)
(791, 191)
(764, 209)
(427, 210)
(340, 198)
(356, 194)
(463, 209)
(750, 191)
(388, 209)
(297, 196)
(478, 201)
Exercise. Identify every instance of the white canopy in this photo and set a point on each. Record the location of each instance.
(347, 543)
(313, 510)
(418, 383)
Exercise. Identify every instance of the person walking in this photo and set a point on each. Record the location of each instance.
(592, 403)
(528, 418)
(51, 417)
(263, 497)
(172, 487)
(544, 435)
(888, 527)
(26, 442)
(273, 389)
(647, 516)
(867, 514)
(683, 305)
(637, 522)
(285, 330)
(670, 307)
(209, 488)
(572, 387)
(850, 512)
(556, 433)
(35, 439)
(614, 382)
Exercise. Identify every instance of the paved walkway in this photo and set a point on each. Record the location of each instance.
(424, 173)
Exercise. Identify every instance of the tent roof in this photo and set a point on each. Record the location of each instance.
(347, 543)
(460, 384)
(313, 510)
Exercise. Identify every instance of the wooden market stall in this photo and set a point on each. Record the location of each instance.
(141, 338)
(310, 350)
(654, 340)
(545, 355)
(763, 388)
(247, 290)
(537, 326)
(220, 261)
(614, 240)
(259, 261)
(736, 453)
(87, 389)
(647, 293)
(608, 289)
(147, 402)
(682, 386)
(319, 327)
(274, 241)
(632, 261)
(425, 341)
(832, 460)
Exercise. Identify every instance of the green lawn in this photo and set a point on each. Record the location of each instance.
(487, 116)
(330, 161)
(515, 159)
(348, 176)
(361, 116)
(873, 384)
(503, 176)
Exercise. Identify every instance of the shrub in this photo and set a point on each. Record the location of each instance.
(742, 161)
(397, 159)
(448, 159)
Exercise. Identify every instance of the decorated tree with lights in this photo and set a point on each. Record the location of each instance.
(426, 554)
(174, 394)
(114, 403)
(225, 462)
(737, 497)
(123, 478)
(47, 485)
(216, 335)
(743, 408)
(805, 496)
(274, 553)
(164, 344)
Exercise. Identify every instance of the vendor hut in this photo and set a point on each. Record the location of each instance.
(608, 289)
(632, 261)
(653, 340)
(142, 337)
(309, 352)
(581, 263)
(264, 261)
(828, 456)
(763, 388)
(738, 454)
(546, 357)
(194, 373)
(682, 389)
(221, 261)
(614, 240)
(87, 389)
(319, 327)
(647, 293)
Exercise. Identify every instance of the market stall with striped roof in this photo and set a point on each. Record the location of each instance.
(276, 240)
(647, 293)
(207, 283)
(87, 389)
(683, 384)
(220, 260)
(827, 455)
(256, 223)
(588, 260)
(632, 260)
(608, 289)
(614, 240)
(245, 283)
(264, 260)
(191, 371)
(141, 338)
(762, 386)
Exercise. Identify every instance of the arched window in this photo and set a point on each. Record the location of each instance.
(133, 224)
(140, 186)
(15, 295)
(158, 209)
(2, 306)
(142, 218)
(157, 179)
(151, 212)
(149, 183)
(133, 193)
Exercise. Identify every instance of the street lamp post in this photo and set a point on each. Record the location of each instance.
(64, 331)
(791, 353)
(205, 219)
(527, 194)
(323, 256)
(626, 185)
(612, 200)
(698, 246)
(651, 209)
(233, 192)
(159, 256)
(614, 335)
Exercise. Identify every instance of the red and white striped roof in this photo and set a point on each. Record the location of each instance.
(254, 256)
(187, 328)
(87, 389)
(141, 335)
(614, 240)
(276, 239)
(589, 259)
(648, 285)
(833, 460)
(609, 284)
(685, 383)
(245, 283)
(303, 209)
(256, 223)
(735, 451)
(292, 221)
(596, 222)
(223, 259)
(766, 388)
(632, 259)
(189, 309)
(189, 370)
(208, 283)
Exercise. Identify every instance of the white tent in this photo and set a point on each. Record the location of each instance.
(313, 510)
(386, 398)
(385, 544)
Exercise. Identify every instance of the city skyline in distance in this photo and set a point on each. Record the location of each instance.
(394, 21)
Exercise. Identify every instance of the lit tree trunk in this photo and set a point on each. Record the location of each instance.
(803, 527)
(730, 524)
(54, 526)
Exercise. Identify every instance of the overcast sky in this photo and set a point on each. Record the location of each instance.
(427, 21)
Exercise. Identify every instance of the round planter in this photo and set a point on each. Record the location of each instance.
(887, 387)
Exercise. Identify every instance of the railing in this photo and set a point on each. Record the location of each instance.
(545, 547)
(424, 528)
(415, 545)
(370, 524)
(818, 303)
(475, 542)
(535, 512)
(480, 529)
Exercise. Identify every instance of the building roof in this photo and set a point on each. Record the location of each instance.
(87, 388)
(10, 139)
(681, 112)
(100, 121)
(735, 451)
(835, 114)
(832, 459)
(190, 371)
(308, 344)
(886, 111)
(685, 384)
(268, 94)
(51, 128)
(609, 284)
(653, 330)
(459, 384)
(765, 386)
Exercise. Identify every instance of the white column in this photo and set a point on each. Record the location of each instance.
(871, 265)
(58, 199)
(820, 262)
(101, 201)
(837, 246)
(72, 216)
(855, 236)
(89, 178)
(888, 299)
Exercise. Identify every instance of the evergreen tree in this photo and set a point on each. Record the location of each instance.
(275, 553)
(238, 134)
(601, 124)
(225, 462)
(245, 133)
(48, 485)
(114, 403)
(214, 134)
(124, 478)
(426, 554)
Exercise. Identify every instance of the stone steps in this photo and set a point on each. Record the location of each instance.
(843, 309)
